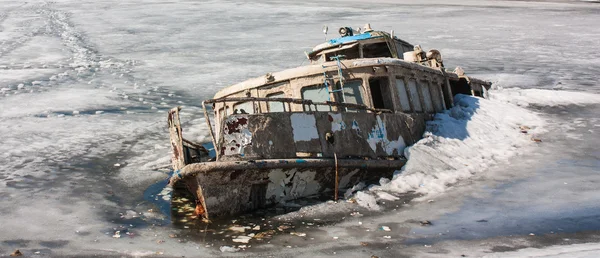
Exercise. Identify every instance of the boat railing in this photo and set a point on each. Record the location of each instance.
(307, 103)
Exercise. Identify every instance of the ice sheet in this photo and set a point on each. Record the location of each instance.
(62, 192)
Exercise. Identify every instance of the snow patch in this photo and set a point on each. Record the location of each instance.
(367, 201)
(460, 142)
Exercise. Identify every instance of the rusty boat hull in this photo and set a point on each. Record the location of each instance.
(345, 118)
(234, 187)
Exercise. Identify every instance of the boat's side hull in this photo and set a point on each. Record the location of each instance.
(227, 189)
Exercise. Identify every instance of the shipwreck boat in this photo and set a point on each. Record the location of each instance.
(345, 118)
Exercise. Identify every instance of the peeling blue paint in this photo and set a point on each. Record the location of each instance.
(343, 40)
(355, 127)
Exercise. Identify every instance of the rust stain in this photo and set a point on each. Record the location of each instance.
(235, 125)
(199, 211)
(236, 135)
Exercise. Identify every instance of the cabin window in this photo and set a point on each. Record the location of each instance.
(244, 108)
(380, 93)
(225, 111)
(436, 96)
(404, 100)
(424, 87)
(276, 106)
(400, 50)
(318, 59)
(316, 94)
(353, 93)
(348, 53)
(376, 50)
(414, 95)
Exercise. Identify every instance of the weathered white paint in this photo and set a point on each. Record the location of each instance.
(355, 127)
(291, 184)
(235, 142)
(337, 124)
(378, 135)
(304, 127)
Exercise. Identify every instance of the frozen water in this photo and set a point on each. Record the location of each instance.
(85, 85)
(469, 138)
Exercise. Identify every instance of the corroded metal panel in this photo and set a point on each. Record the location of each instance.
(276, 182)
(367, 134)
(270, 137)
(320, 134)
(385, 138)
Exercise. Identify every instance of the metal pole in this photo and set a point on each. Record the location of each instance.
(212, 134)
(336, 177)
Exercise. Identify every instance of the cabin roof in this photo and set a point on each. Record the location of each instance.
(344, 41)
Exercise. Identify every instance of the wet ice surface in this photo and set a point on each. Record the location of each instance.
(84, 87)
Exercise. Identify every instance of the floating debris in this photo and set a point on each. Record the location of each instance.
(117, 234)
(16, 253)
(356, 214)
(228, 249)
(385, 228)
(265, 234)
(284, 227)
(298, 234)
(387, 237)
(238, 229)
(242, 239)
(425, 223)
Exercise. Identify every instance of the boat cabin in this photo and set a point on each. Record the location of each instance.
(349, 76)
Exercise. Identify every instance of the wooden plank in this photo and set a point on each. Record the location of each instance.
(177, 157)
